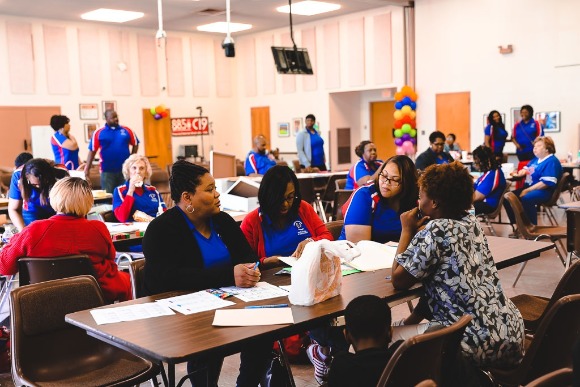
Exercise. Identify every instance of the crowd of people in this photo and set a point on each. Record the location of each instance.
(424, 205)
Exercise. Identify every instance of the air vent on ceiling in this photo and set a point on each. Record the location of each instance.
(211, 12)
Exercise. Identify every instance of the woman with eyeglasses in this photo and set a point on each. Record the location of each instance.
(29, 192)
(373, 211)
(435, 154)
(194, 246)
(284, 223)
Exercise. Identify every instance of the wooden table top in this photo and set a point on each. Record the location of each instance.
(569, 205)
(178, 338)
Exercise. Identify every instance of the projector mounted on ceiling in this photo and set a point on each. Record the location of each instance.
(292, 60)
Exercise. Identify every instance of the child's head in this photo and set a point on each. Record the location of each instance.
(368, 318)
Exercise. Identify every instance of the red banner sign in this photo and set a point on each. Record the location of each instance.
(189, 126)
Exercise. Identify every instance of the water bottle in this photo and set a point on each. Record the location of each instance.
(8, 233)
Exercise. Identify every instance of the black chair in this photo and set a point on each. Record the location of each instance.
(108, 216)
(335, 228)
(554, 199)
(35, 270)
(485, 219)
(137, 273)
(341, 196)
(48, 351)
(563, 377)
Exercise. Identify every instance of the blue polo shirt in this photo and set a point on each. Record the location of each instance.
(146, 199)
(548, 171)
(497, 137)
(68, 158)
(214, 252)
(258, 163)
(114, 144)
(317, 147)
(525, 134)
(491, 184)
(283, 241)
(32, 209)
(360, 169)
(366, 208)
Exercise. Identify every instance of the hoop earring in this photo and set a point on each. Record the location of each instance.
(189, 209)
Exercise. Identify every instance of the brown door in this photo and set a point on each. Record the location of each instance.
(16, 122)
(157, 138)
(382, 122)
(453, 116)
(260, 124)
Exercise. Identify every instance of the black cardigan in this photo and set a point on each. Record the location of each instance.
(429, 158)
(173, 257)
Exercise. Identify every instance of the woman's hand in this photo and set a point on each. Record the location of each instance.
(524, 192)
(135, 181)
(271, 261)
(411, 222)
(300, 248)
(245, 276)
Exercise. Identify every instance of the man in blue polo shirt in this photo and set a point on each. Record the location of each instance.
(257, 161)
(113, 140)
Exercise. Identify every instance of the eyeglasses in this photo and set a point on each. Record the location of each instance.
(389, 180)
(290, 199)
(438, 143)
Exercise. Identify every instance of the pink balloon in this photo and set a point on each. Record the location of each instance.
(400, 151)
(408, 147)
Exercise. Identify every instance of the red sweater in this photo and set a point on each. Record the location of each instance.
(252, 228)
(63, 235)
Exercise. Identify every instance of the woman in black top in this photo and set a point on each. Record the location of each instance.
(194, 246)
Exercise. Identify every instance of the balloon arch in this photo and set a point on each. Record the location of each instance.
(405, 128)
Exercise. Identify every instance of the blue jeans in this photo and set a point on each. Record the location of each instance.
(111, 180)
(529, 203)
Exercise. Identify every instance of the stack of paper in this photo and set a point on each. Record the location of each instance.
(253, 317)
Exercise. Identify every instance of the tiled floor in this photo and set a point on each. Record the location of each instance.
(540, 277)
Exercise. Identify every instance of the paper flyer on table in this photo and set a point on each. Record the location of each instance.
(252, 317)
(130, 313)
(195, 302)
(262, 291)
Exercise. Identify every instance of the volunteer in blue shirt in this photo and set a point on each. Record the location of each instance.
(525, 132)
(64, 144)
(495, 134)
(373, 211)
(435, 154)
(113, 140)
(135, 195)
(310, 146)
(489, 187)
(257, 161)
(29, 189)
(542, 175)
(366, 168)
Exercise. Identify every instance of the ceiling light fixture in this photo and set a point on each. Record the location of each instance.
(111, 15)
(222, 27)
(309, 8)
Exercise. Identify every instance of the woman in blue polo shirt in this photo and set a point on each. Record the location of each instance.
(64, 144)
(29, 188)
(372, 212)
(366, 168)
(495, 134)
(525, 132)
(542, 175)
(135, 194)
(489, 187)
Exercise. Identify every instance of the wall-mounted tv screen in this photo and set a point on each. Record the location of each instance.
(291, 60)
(188, 150)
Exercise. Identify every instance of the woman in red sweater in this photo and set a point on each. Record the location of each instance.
(283, 223)
(69, 233)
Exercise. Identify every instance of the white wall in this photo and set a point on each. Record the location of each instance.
(457, 50)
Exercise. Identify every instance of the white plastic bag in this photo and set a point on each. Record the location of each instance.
(317, 275)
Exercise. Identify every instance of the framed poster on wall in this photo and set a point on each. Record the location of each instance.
(89, 111)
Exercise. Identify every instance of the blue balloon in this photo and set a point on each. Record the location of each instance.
(413, 105)
(406, 101)
(398, 105)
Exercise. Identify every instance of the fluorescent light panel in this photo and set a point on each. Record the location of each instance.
(223, 27)
(111, 15)
(309, 8)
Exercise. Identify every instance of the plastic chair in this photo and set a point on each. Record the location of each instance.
(340, 183)
(341, 196)
(530, 231)
(550, 348)
(335, 228)
(35, 270)
(560, 378)
(534, 308)
(47, 350)
(160, 180)
(486, 218)
(137, 273)
(556, 197)
(409, 365)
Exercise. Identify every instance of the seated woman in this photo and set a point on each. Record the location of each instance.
(69, 233)
(542, 175)
(366, 168)
(450, 144)
(283, 223)
(489, 187)
(29, 188)
(449, 255)
(372, 212)
(194, 246)
(135, 194)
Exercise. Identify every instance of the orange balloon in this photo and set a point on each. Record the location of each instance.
(412, 115)
(398, 96)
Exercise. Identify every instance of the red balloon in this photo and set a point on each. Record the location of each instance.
(413, 124)
(164, 114)
(406, 120)
(398, 124)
